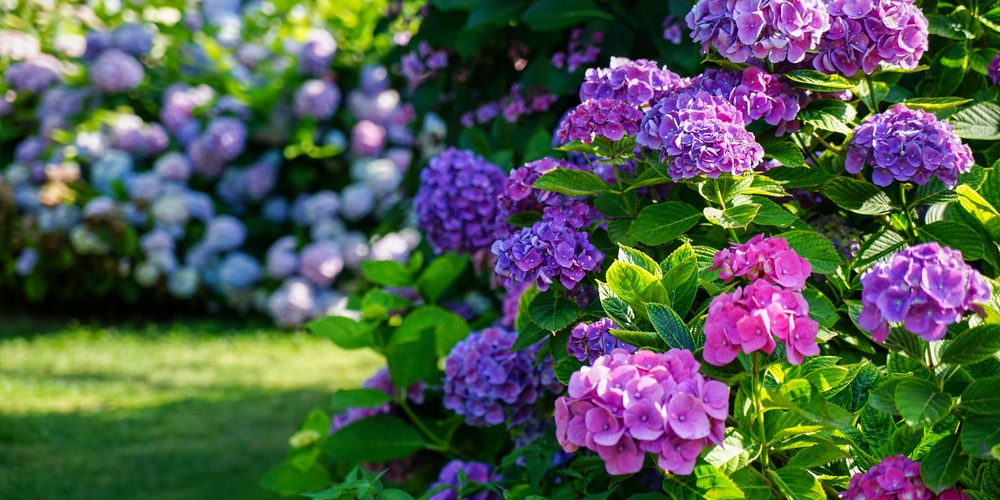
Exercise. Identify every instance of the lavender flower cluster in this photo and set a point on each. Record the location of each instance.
(925, 287)
(993, 71)
(894, 478)
(626, 405)
(511, 107)
(639, 83)
(420, 64)
(698, 133)
(549, 250)
(908, 145)
(750, 318)
(608, 118)
(478, 472)
(865, 33)
(757, 94)
(456, 203)
(489, 384)
(578, 53)
(518, 193)
(589, 341)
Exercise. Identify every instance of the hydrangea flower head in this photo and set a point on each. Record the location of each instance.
(627, 404)
(489, 384)
(238, 271)
(756, 93)
(115, 71)
(994, 70)
(293, 303)
(518, 192)
(320, 262)
(545, 252)
(698, 133)
(775, 30)
(908, 145)
(456, 202)
(474, 471)
(317, 99)
(769, 259)
(894, 478)
(35, 74)
(316, 54)
(638, 83)
(865, 33)
(589, 341)
(925, 287)
(224, 233)
(608, 118)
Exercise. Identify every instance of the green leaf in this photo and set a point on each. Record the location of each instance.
(936, 103)
(449, 5)
(815, 248)
(571, 182)
(476, 141)
(345, 332)
(943, 464)
(972, 346)
(765, 186)
(670, 326)
(528, 333)
(706, 482)
(877, 247)
(375, 439)
(772, 214)
(387, 273)
(616, 206)
(814, 80)
(616, 308)
(982, 397)
(798, 483)
(412, 358)
(493, 13)
(857, 196)
(955, 235)
(821, 309)
(739, 216)
(823, 120)
(633, 256)
(640, 339)
(635, 286)
(817, 455)
(441, 274)
(449, 328)
(566, 367)
(553, 312)
(981, 121)
(920, 404)
(285, 479)
(358, 398)
(733, 454)
(948, 69)
(981, 209)
(786, 152)
(980, 435)
(883, 396)
(933, 192)
(662, 222)
(944, 26)
(554, 15)
(680, 278)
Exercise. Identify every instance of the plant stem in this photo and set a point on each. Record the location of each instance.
(871, 93)
(758, 387)
(722, 204)
(827, 145)
(439, 444)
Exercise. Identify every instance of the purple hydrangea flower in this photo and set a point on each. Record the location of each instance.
(545, 252)
(30, 149)
(293, 303)
(994, 70)
(489, 384)
(282, 259)
(456, 202)
(698, 133)
(628, 404)
(589, 341)
(769, 259)
(317, 99)
(26, 262)
(518, 194)
(864, 33)
(925, 287)
(374, 79)
(180, 101)
(320, 262)
(224, 233)
(238, 271)
(367, 138)
(908, 145)
(474, 471)
(316, 54)
(115, 71)
(894, 478)
(578, 53)
(173, 166)
(757, 94)
(35, 74)
(638, 82)
(608, 118)
(133, 39)
(776, 30)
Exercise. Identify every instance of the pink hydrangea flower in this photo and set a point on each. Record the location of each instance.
(770, 259)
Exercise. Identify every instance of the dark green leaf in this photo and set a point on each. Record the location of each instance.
(680, 278)
(815, 248)
(857, 196)
(374, 439)
(449, 328)
(734, 217)
(285, 479)
(571, 182)
(616, 308)
(566, 367)
(553, 312)
(817, 455)
(933, 192)
(345, 332)
(948, 69)
(981, 121)
(980, 434)
(814, 80)
(955, 235)
(877, 247)
(772, 214)
(944, 464)
(614, 205)
(821, 309)
(670, 326)
(786, 152)
(493, 13)
(528, 332)
(448, 5)
(920, 403)
(972, 346)
(441, 274)
(412, 358)
(387, 273)
(883, 396)
(982, 396)
(946, 27)
(662, 222)
(554, 15)
(357, 398)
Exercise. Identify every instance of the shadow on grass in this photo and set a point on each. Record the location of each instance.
(193, 448)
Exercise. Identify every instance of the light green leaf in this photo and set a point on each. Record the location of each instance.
(815, 248)
(663, 222)
(814, 80)
(857, 196)
(980, 121)
(734, 217)
(387, 273)
(670, 326)
(357, 398)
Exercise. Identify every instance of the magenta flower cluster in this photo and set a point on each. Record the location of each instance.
(478, 472)
(698, 133)
(864, 33)
(769, 259)
(589, 341)
(994, 70)
(639, 83)
(419, 65)
(908, 145)
(894, 478)
(771, 306)
(608, 118)
(379, 381)
(757, 94)
(456, 202)
(578, 53)
(628, 404)
(926, 287)
(489, 384)
(776, 30)
(549, 250)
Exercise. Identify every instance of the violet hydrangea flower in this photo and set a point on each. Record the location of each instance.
(769, 259)
(320, 262)
(864, 33)
(698, 133)
(608, 118)
(908, 145)
(894, 478)
(115, 71)
(925, 287)
(775, 30)
(628, 404)
(317, 99)
(639, 82)
(589, 341)
(456, 202)
(518, 192)
(994, 70)
(489, 384)
(545, 252)
(757, 94)
(474, 471)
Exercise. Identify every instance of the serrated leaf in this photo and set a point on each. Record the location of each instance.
(877, 247)
(786, 152)
(553, 312)
(571, 182)
(936, 103)
(980, 121)
(815, 248)
(823, 121)
(982, 397)
(814, 80)
(955, 235)
(772, 214)
(739, 216)
(706, 482)
(633, 256)
(733, 454)
(943, 464)
(635, 286)
(662, 222)
(980, 435)
(857, 196)
(817, 455)
(920, 404)
(640, 339)
(670, 326)
(972, 346)
(375, 439)
(934, 191)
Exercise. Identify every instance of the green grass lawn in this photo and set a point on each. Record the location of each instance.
(186, 410)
